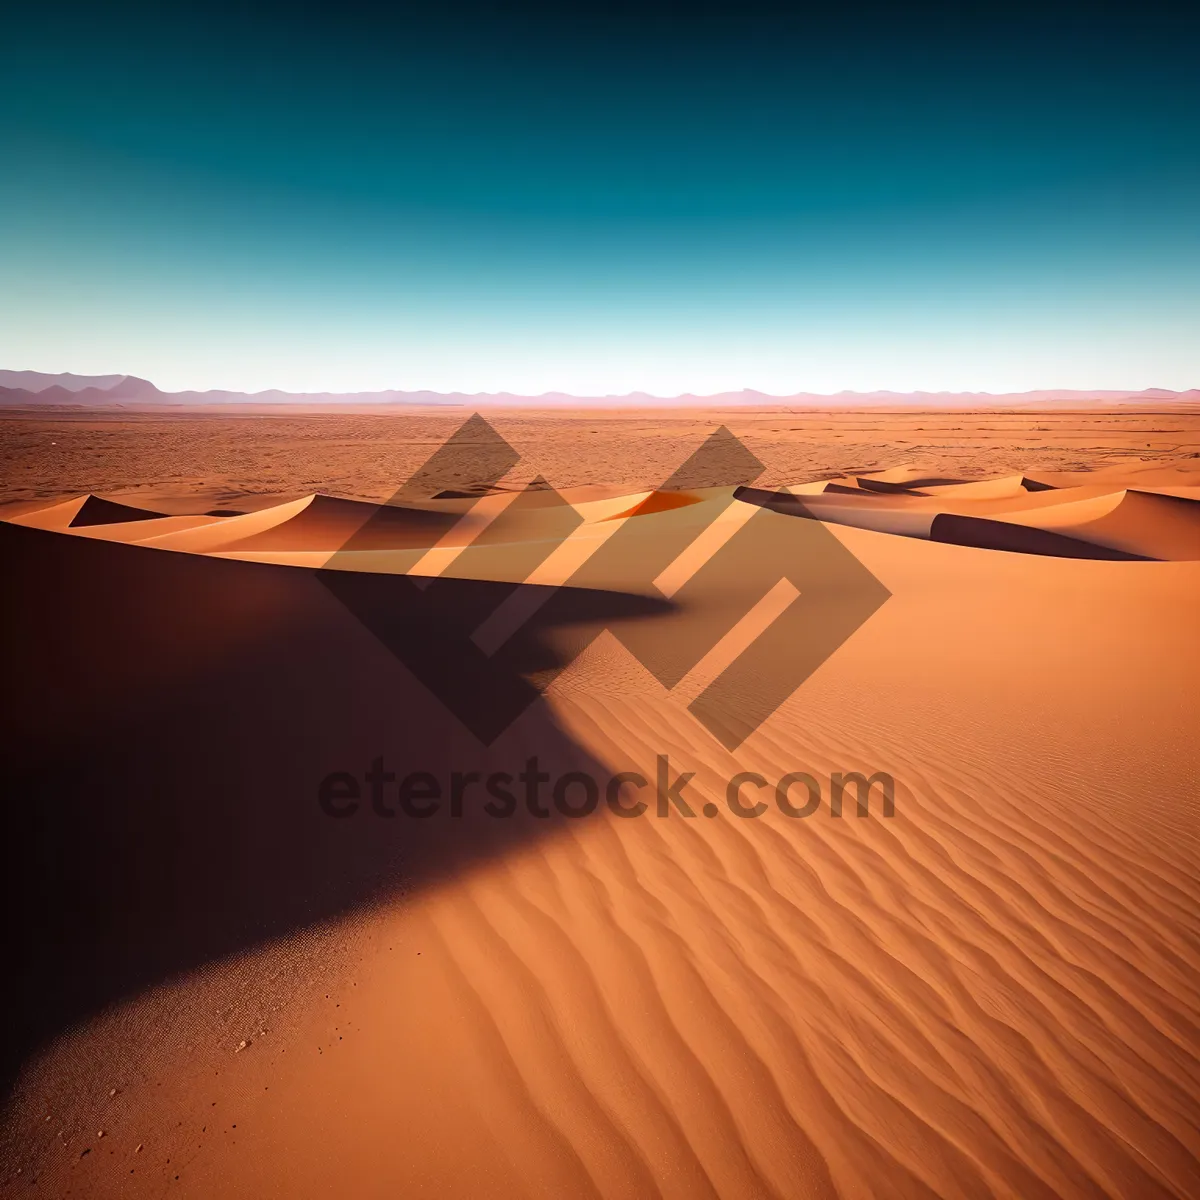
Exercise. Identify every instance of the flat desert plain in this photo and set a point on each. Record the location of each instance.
(267, 937)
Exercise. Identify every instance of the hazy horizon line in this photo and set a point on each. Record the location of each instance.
(113, 380)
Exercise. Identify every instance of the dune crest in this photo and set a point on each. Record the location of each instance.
(1010, 513)
(1098, 521)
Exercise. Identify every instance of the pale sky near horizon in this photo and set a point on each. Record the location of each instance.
(601, 202)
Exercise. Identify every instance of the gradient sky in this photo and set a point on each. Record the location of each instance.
(690, 198)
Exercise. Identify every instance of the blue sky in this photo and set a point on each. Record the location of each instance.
(652, 198)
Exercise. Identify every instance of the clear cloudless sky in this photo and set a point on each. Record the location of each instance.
(602, 198)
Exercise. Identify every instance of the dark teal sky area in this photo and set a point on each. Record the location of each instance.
(662, 198)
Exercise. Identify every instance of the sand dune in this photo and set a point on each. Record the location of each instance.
(1000, 514)
(148, 530)
(227, 531)
(1141, 523)
(839, 509)
(1009, 513)
(993, 992)
(317, 523)
(52, 516)
(1018, 538)
(96, 510)
(916, 484)
(984, 489)
(328, 523)
(656, 501)
(82, 512)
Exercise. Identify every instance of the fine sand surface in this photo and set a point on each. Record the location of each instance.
(219, 989)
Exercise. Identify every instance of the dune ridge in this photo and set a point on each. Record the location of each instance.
(1006, 514)
(1011, 513)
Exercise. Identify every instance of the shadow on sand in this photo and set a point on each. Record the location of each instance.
(167, 722)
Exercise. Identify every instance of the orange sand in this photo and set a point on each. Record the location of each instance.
(994, 992)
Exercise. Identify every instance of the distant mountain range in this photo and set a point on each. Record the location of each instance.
(33, 389)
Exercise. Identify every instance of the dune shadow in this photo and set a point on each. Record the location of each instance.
(96, 510)
(985, 534)
(907, 488)
(168, 722)
(980, 533)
